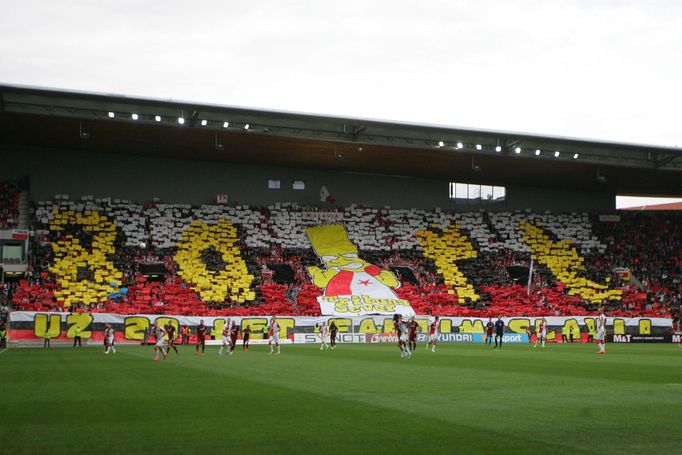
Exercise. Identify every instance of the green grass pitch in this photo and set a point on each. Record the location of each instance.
(356, 399)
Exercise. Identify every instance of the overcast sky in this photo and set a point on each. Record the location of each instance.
(596, 69)
(599, 69)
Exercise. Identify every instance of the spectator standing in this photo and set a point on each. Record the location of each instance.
(77, 337)
(185, 334)
(3, 335)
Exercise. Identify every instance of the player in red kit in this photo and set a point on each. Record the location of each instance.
(489, 327)
(246, 336)
(201, 338)
(433, 335)
(529, 332)
(170, 330)
(413, 327)
(333, 330)
(234, 333)
(677, 327)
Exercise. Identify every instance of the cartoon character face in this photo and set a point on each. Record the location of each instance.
(334, 249)
(344, 261)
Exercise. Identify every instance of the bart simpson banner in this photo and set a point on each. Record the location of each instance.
(352, 286)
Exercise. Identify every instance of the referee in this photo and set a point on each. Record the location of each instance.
(499, 331)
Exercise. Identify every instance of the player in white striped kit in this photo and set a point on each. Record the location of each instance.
(160, 334)
(324, 332)
(402, 330)
(433, 335)
(600, 337)
(541, 333)
(273, 333)
(109, 335)
(227, 346)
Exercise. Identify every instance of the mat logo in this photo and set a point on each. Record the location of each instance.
(622, 338)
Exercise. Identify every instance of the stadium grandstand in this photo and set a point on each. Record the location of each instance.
(153, 240)
(308, 258)
(139, 206)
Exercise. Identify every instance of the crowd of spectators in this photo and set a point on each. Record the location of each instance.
(648, 244)
(7, 291)
(646, 249)
(9, 204)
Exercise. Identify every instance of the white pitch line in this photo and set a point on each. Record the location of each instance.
(3, 350)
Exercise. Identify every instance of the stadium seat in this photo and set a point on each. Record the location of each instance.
(86, 251)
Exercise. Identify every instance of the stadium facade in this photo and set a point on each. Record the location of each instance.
(105, 145)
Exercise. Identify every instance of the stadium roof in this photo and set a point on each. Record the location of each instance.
(69, 120)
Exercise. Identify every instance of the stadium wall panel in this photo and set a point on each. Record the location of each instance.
(32, 326)
(141, 178)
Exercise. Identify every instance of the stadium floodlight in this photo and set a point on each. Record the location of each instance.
(537, 152)
(204, 122)
(84, 133)
(247, 126)
(181, 120)
(219, 146)
(498, 148)
(441, 144)
(111, 115)
(134, 116)
(479, 147)
(460, 145)
(575, 157)
(226, 124)
(517, 150)
(157, 118)
(556, 154)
